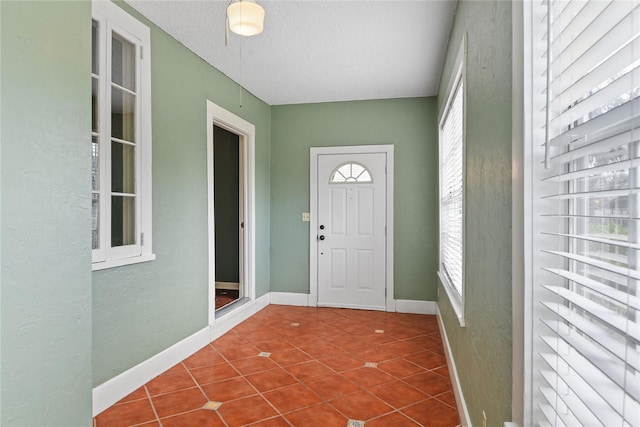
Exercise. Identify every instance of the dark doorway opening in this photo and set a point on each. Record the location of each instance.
(228, 214)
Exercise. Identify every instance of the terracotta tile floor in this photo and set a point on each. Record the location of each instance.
(225, 296)
(298, 366)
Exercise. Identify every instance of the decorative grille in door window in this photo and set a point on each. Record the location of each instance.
(349, 173)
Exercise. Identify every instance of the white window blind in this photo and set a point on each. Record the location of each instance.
(451, 191)
(585, 212)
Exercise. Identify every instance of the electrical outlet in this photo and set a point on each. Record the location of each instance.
(484, 419)
(306, 217)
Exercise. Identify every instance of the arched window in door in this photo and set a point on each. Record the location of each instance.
(350, 173)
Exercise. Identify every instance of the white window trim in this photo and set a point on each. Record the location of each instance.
(109, 14)
(458, 77)
(520, 49)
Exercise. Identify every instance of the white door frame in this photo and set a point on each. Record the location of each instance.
(218, 116)
(313, 210)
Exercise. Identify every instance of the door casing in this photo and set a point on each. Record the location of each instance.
(314, 152)
(246, 132)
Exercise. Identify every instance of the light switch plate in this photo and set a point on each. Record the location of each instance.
(306, 217)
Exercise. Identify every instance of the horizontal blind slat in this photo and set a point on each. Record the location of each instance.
(599, 405)
(579, 415)
(581, 173)
(567, 29)
(598, 146)
(588, 194)
(622, 297)
(589, 238)
(563, 397)
(619, 119)
(602, 61)
(575, 216)
(592, 364)
(592, 102)
(553, 419)
(608, 317)
(618, 348)
(596, 263)
(566, 16)
(618, 280)
(598, 21)
(564, 13)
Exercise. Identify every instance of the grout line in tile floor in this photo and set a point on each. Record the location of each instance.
(385, 369)
(201, 391)
(241, 375)
(152, 405)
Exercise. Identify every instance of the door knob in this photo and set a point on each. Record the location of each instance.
(322, 227)
(321, 237)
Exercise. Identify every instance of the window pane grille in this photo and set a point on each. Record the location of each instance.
(95, 107)
(123, 221)
(94, 47)
(123, 177)
(123, 62)
(95, 221)
(123, 107)
(350, 173)
(95, 164)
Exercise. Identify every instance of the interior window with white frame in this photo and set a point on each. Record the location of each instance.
(120, 138)
(451, 167)
(582, 94)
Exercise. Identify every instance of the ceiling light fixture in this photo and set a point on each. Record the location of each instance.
(246, 17)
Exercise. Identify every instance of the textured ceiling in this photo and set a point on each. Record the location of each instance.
(319, 51)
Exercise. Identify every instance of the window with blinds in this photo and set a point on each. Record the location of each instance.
(451, 270)
(584, 273)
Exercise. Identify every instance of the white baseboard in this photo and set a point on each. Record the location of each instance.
(111, 391)
(465, 420)
(232, 319)
(232, 286)
(263, 301)
(416, 307)
(401, 306)
(290, 298)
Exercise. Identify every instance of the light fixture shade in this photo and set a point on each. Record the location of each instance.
(246, 17)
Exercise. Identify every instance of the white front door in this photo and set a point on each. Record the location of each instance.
(351, 221)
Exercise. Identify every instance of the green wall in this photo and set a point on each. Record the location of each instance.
(409, 124)
(226, 168)
(482, 350)
(140, 310)
(46, 219)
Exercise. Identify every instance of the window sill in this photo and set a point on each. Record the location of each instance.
(454, 299)
(103, 265)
